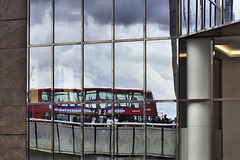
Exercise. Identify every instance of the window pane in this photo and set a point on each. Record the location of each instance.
(67, 65)
(162, 130)
(158, 18)
(192, 16)
(67, 21)
(184, 17)
(226, 64)
(207, 14)
(97, 20)
(97, 65)
(218, 12)
(129, 65)
(40, 67)
(236, 11)
(212, 15)
(160, 72)
(198, 16)
(129, 19)
(40, 21)
(227, 131)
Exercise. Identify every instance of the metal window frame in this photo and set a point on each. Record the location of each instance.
(113, 41)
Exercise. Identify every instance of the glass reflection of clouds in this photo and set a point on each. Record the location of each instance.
(40, 21)
(67, 67)
(236, 10)
(158, 18)
(67, 21)
(40, 67)
(97, 24)
(129, 65)
(159, 69)
(129, 19)
(98, 65)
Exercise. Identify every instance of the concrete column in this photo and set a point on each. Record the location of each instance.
(198, 86)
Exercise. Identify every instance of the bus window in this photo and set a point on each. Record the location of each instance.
(76, 119)
(123, 95)
(47, 115)
(61, 117)
(61, 96)
(91, 95)
(105, 95)
(73, 96)
(45, 96)
(91, 105)
(137, 96)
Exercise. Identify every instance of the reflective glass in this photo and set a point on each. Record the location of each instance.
(67, 21)
(198, 16)
(40, 134)
(184, 16)
(129, 65)
(40, 21)
(192, 16)
(67, 67)
(229, 10)
(212, 15)
(225, 63)
(161, 129)
(97, 65)
(40, 68)
(227, 131)
(105, 94)
(236, 11)
(207, 14)
(158, 18)
(218, 12)
(97, 20)
(129, 19)
(160, 70)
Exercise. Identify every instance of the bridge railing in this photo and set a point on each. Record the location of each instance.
(129, 138)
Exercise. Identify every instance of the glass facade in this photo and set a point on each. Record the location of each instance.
(197, 15)
(118, 78)
(102, 78)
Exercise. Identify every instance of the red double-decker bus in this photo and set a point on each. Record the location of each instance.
(128, 104)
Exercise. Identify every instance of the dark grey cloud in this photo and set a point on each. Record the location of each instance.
(38, 9)
(128, 12)
(67, 10)
(158, 13)
(100, 10)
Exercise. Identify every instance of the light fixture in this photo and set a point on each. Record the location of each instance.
(228, 51)
(181, 55)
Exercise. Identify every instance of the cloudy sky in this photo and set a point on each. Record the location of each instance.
(97, 58)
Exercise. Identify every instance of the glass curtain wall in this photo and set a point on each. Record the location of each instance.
(198, 15)
(102, 78)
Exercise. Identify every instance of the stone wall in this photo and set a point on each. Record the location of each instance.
(13, 68)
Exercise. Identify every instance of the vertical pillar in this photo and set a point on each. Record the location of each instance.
(198, 87)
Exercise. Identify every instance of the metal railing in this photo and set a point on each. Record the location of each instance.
(97, 138)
